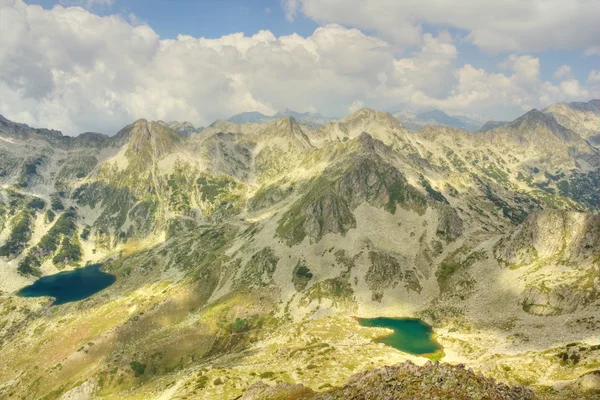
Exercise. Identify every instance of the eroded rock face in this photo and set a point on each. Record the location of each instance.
(402, 381)
(566, 242)
(553, 301)
(561, 235)
(387, 271)
(590, 382)
(583, 118)
(84, 391)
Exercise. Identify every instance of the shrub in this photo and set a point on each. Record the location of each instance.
(138, 368)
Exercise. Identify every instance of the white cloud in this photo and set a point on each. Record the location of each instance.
(594, 76)
(69, 69)
(356, 105)
(430, 68)
(563, 72)
(508, 25)
(135, 20)
(87, 4)
(504, 94)
(591, 51)
(290, 7)
(526, 68)
(572, 89)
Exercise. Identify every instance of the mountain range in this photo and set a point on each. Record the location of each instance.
(243, 251)
(310, 119)
(415, 121)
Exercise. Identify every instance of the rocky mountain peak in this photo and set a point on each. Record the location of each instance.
(287, 127)
(147, 140)
(248, 117)
(582, 118)
(368, 115)
(54, 137)
(186, 128)
(536, 126)
(23, 131)
(363, 113)
(490, 125)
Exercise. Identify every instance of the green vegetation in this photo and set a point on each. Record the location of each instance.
(36, 204)
(301, 276)
(525, 178)
(212, 187)
(260, 268)
(85, 233)
(116, 202)
(29, 171)
(69, 252)
(269, 195)
(73, 169)
(60, 243)
(582, 188)
(272, 162)
(138, 368)
(497, 174)
(179, 184)
(50, 216)
(56, 204)
(456, 161)
(267, 375)
(330, 199)
(238, 326)
(22, 227)
(220, 195)
(338, 290)
(29, 266)
(452, 265)
(515, 214)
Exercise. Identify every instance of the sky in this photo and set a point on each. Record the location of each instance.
(98, 65)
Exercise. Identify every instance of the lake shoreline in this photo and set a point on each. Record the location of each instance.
(409, 335)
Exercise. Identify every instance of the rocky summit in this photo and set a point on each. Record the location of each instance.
(242, 253)
(402, 381)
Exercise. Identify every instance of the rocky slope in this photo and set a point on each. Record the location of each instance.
(402, 381)
(583, 118)
(242, 253)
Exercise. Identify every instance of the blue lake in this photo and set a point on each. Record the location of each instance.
(70, 286)
(410, 335)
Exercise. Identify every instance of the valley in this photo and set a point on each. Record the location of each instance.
(240, 254)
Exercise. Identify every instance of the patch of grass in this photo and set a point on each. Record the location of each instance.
(50, 216)
(20, 234)
(301, 276)
(138, 368)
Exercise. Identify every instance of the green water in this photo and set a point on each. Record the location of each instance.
(410, 335)
(70, 285)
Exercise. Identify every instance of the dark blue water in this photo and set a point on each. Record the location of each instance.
(70, 286)
(410, 335)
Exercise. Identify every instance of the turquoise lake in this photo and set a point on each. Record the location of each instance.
(70, 286)
(410, 335)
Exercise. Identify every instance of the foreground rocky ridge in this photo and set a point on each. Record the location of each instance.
(242, 252)
(402, 381)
